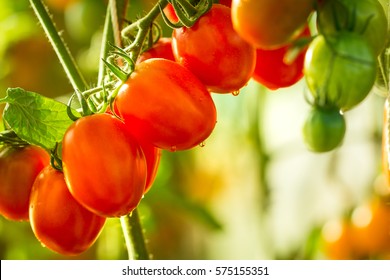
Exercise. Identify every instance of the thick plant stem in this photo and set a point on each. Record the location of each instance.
(134, 237)
(63, 53)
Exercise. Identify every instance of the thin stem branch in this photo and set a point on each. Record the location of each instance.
(143, 25)
(134, 237)
(68, 63)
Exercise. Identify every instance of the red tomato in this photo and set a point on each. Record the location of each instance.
(152, 156)
(58, 221)
(226, 2)
(162, 49)
(270, 24)
(164, 104)
(18, 169)
(170, 13)
(214, 52)
(104, 166)
(273, 71)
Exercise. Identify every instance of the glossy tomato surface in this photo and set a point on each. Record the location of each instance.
(214, 52)
(340, 69)
(162, 49)
(274, 71)
(269, 24)
(18, 169)
(164, 104)
(58, 221)
(104, 167)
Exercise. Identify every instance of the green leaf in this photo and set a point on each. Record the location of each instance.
(34, 118)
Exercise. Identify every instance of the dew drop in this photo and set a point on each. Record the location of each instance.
(173, 149)
(202, 144)
(236, 92)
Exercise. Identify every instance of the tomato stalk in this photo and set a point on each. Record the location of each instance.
(143, 27)
(134, 237)
(59, 46)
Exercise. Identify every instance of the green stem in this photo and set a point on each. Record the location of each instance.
(143, 26)
(134, 237)
(63, 53)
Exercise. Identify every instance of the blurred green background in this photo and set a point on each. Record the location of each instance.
(253, 191)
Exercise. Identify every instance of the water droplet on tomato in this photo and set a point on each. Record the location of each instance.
(173, 149)
(236, 92)
(202, 144)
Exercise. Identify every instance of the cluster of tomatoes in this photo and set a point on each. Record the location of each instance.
(108, 161)
(341, 66)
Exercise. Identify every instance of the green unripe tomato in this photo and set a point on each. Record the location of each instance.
(324, 129)
(365, 17)
(340, 69)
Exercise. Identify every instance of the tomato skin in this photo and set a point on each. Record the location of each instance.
(18, 169)
(214, 52)
(273, 71)
(269, 24)
(162, 49)
(152, 157)
(366, 17)
(104, 167)
(324, 129)
(340, 69)
(58, 221)
(175, 112)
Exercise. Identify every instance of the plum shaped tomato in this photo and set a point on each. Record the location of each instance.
(152, 157)
(214, 52)
(164, 104)
(340, 69)
(162, 49)
(18, 169)
(104, 167)
(270, 24)
(273, 71)
(58, 221)
(324, 129)
(366, 17)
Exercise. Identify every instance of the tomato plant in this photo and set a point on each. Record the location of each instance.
(274, 71)
(324, 129)
(340, 69)
(152, 110)
(224, 62)
(365, 17)
(98, 165)
(268, 24)
(58, 221)
(18, 170)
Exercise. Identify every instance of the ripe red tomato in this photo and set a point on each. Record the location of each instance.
(18, 169)
(162, 49)
(104, 166)
(58, 221)
(152, 157)
(169, 11)
(273, 71)
(214, 52)
(164, 104)
(269, 24)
